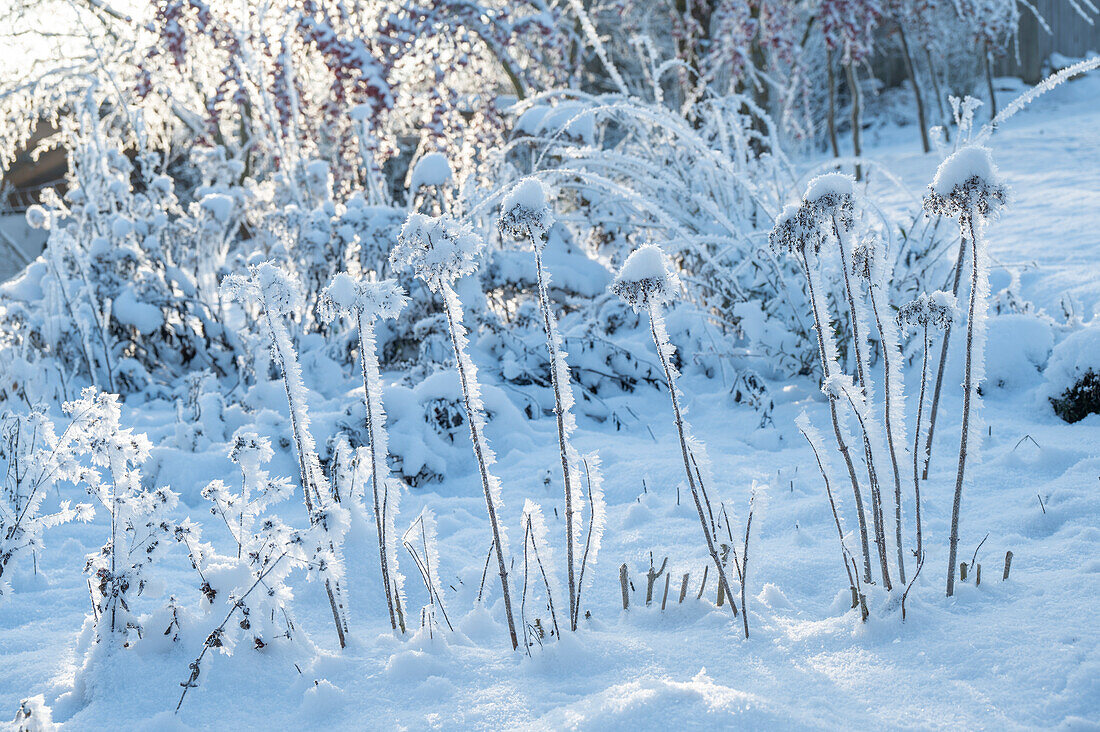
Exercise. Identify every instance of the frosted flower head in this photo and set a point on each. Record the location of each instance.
(440, 249)
(267, 283)
(967, 182)
(647, 278)
(832, 195)
(865, 258)
(250, 448)
(346, 295)
(525, 211)
(936, 310)
(796, 230)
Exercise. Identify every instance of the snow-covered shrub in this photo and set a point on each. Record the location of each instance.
(647, 282)
(111, 305)
(868, 266)
(34, 459)
(363, 303)
(276, 294)
(440, 251)
(258, 598)
(968, 188)
(526, 214)
(141, 527)
(1071, 382)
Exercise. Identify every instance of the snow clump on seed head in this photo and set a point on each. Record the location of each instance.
(525, 211)
(832, 195)
(346, 295)
(249, 449)
(440, 249)
(278, 290)
(647, 278)
(967, 182)
(802, 226)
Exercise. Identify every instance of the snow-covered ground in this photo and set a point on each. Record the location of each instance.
(1024, 653)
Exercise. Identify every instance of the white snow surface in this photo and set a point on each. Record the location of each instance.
(1017, 654)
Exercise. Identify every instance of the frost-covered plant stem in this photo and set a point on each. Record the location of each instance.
(889, 341)
(378, 470)
(364, 302)
(934, 409)
(660, 340)
(558, 369)
(452, 305)
(967, 185)
(820, 322)
(427, 564)
(534, 528)
(857, 339)
(968, 388)
(813, 437)
(526, 214)
(307, 457)
(916, 440)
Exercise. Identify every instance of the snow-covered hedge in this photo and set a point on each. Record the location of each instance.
(1072, 380)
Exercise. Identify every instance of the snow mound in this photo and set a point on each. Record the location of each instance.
(663, 703)
(1017, 349)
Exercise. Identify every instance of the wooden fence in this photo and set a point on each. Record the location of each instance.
(1070, 35)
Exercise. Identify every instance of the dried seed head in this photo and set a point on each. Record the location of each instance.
(966, 183)
(525, 211)
(936, 310)
(278, 290)
(796, 230)
(832, 196)
(440, 249)
(864, 262)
